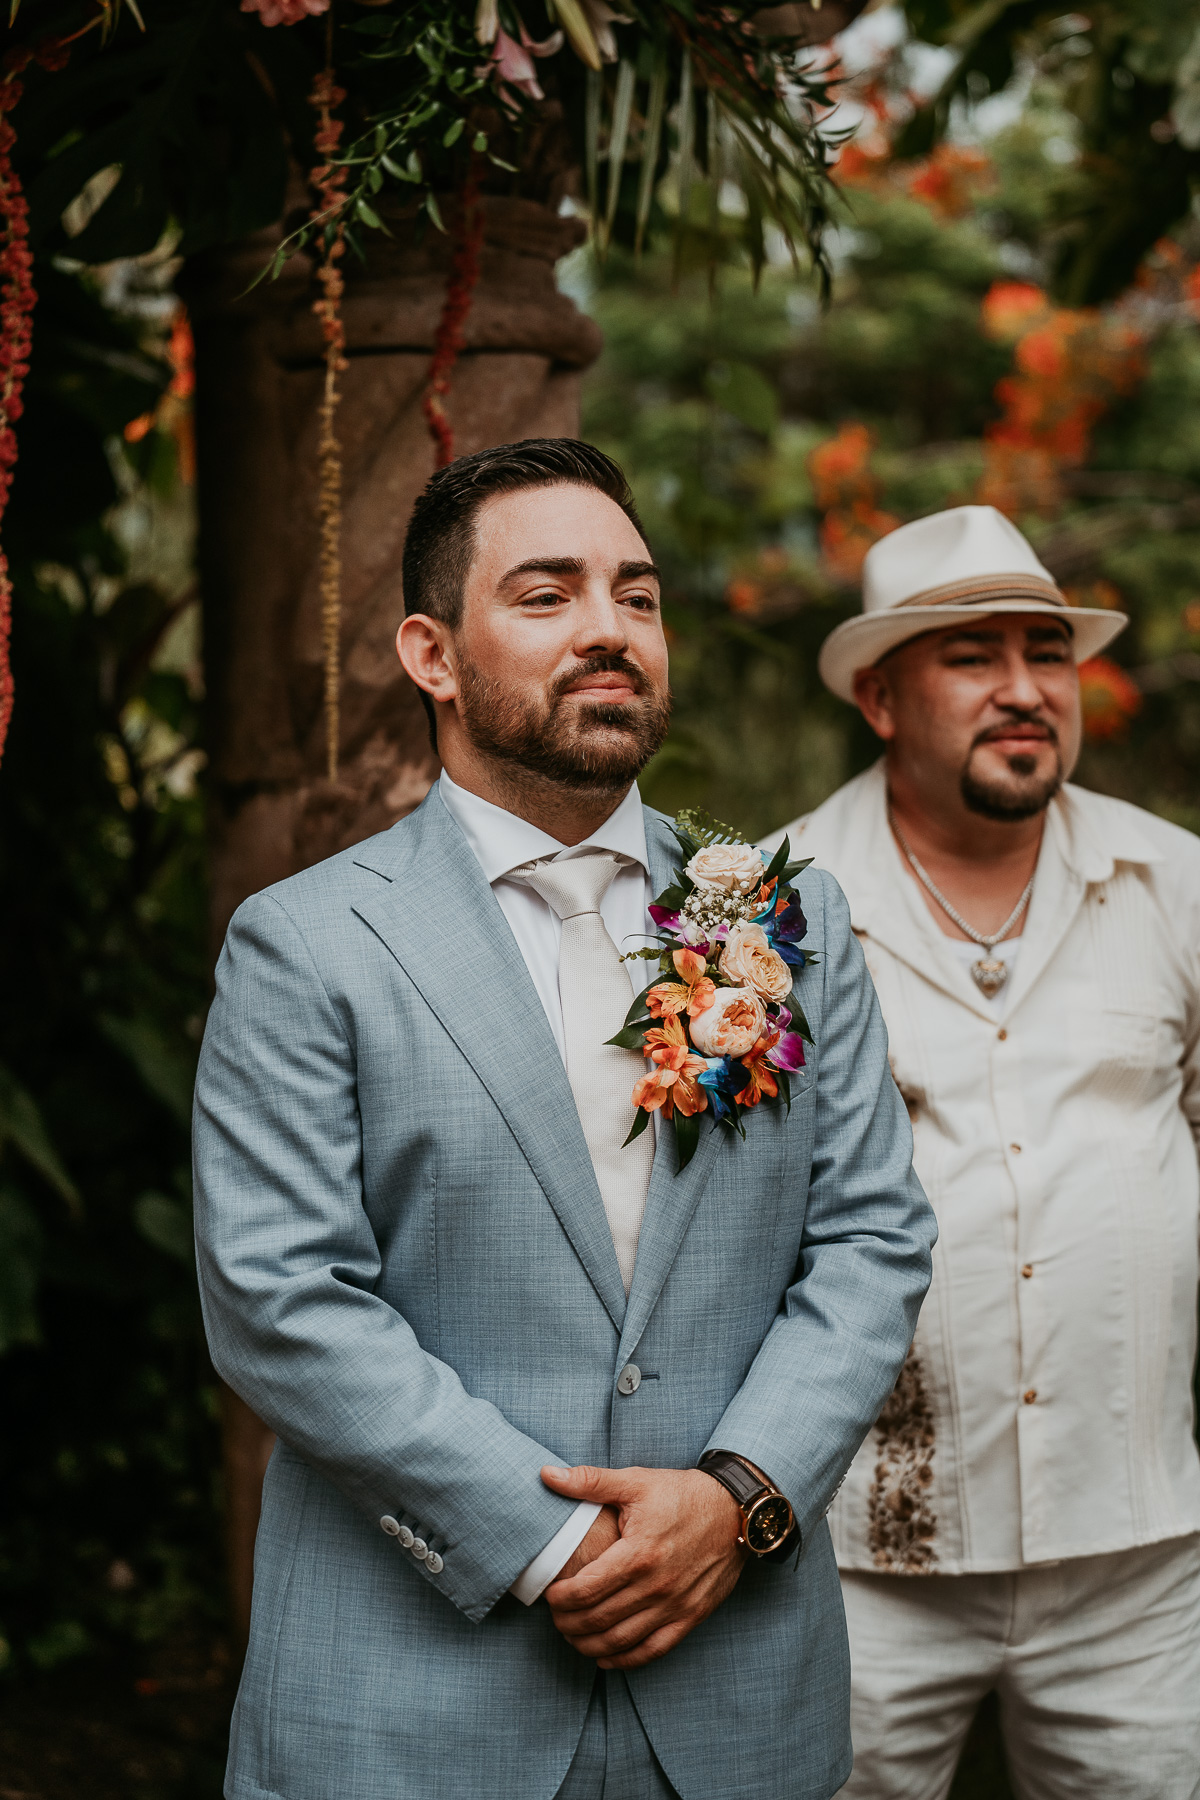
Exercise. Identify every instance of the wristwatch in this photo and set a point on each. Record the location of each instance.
(768, 1522)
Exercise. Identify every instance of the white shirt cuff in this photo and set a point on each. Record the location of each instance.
(533, 1581)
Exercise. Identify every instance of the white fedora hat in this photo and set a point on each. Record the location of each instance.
(947, 570)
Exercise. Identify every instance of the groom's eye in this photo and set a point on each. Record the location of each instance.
(543, 599)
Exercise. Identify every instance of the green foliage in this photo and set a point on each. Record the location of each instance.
(1127, 73)
(727, 495)
(108, 1519)
(189, 114)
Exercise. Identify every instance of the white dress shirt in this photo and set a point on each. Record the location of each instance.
(1046, 1410)
(502, 842)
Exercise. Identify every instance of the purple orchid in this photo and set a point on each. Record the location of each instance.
(784, 931)
(788, 1053)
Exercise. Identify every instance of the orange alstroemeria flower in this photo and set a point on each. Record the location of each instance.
(693, 994)
(666, 998)
(673, 1087)
(761, 1082)
(690, 966)
(673, 1082)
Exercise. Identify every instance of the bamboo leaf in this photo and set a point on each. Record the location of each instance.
(618, 137)
(686, 135)
(713, 160)
(591, 143)
(651, 138)
(577, 26)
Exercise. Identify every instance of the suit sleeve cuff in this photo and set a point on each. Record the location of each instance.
(536, 1577)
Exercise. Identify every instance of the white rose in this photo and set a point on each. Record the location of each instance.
(732, 1025)
(737, 868)
(749, 958)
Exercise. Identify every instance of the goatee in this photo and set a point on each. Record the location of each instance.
(586, 745)
(1023, 797)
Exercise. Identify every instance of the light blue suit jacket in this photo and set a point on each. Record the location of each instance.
(407, 1272)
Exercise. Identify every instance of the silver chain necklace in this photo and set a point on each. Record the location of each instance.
(990, 973)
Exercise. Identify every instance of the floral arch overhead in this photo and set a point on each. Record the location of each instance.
(192, 117)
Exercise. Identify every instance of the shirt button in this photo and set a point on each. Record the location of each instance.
(1015, 1148)
(629, 1380)
(390, 1525)
(1002, 1034)
(1029, 1396)
(419, 1548)
(405, 1536)
(1027, 1270)
(434, 1563)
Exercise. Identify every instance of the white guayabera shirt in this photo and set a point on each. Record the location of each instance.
(1046, 1409)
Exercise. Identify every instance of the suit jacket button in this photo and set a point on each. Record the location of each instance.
(405, 1536)
(390, 1525)
(419, 1548)
(629, 1380)
(434, 1563)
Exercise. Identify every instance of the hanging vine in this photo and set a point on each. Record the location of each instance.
(450, 336)
(329, 180)
(17, 300)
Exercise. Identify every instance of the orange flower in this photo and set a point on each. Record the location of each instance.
(695, 994)
(666, 998)
(673, 1083)
(760, 1079)
(689, 965)
(664, 1036)
(1111, 698)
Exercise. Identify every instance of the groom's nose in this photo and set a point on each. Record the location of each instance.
(600, 624)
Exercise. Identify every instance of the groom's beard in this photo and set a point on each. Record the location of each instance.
(574, 744)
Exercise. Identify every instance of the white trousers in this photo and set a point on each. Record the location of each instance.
(1095, 1663)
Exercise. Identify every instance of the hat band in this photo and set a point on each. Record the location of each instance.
(982, 589)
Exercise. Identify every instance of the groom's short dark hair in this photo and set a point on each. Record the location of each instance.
(441, 532)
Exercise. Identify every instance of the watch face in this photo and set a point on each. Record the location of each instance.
(768, 1524)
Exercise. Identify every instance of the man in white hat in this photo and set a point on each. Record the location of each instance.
(1024, 1516)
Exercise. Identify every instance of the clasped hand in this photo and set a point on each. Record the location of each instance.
(660, 1557)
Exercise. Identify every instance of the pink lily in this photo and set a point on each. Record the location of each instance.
(513, 62)
(285, 12)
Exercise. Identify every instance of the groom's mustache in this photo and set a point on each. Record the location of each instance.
(612, 664)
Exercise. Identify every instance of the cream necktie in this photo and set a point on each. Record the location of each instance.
(595, 994)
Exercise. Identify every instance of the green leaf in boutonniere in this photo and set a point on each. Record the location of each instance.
(630, 1036)
(687, 1136)
(639, 1125)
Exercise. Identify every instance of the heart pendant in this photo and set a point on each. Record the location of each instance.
(990, 975)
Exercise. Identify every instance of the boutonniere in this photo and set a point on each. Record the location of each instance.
(721, 1028)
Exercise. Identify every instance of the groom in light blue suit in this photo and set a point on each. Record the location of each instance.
(494, 1343)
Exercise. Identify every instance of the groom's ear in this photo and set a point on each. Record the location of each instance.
(426, 650)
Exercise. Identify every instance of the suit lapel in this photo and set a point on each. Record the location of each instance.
(673, 1196)
(440, 920)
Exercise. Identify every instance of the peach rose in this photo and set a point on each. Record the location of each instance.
(736, 868)
(748, 958)
(732, 1025)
